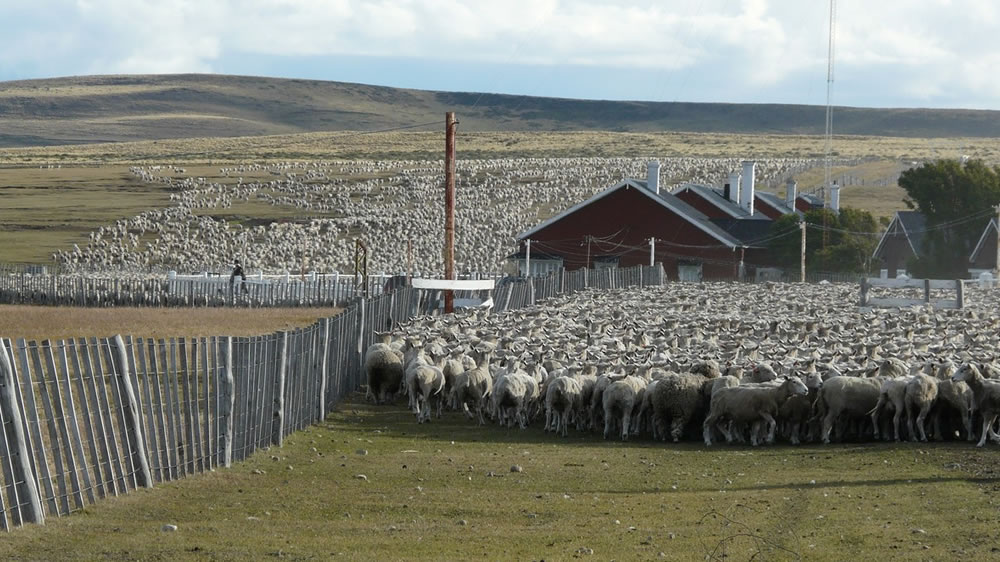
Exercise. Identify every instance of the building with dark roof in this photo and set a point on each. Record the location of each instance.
(634, 222)
(903, 239)
(984, 255)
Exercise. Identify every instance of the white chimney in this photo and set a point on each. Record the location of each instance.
(734, 187)
(746, 191)
(835, 198)
(653, 176)
(791, 193)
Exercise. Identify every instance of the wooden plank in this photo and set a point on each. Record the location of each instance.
(88, 419)
(227, 404)
(158, 365)
(189, 423)
(167, 411)
(27, 504)
(895, 302)
(251, 394)
(30, 421)
(108, 478)
(277, 432)
(179, 450)
(106, 384)
(132, 417)
(898, 283)
(62, 494)
(202, 435)
(324, 369)
(124, 440)
(147, 398)
(70, 428)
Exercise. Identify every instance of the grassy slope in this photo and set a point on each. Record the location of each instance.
(840, 502)
(128, 108)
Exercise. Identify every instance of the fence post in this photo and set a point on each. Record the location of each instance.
(864, 292)
(27, 493)
(228, 405)
(927, 290)
(960, 289)
(278, 435)
(324, 369)
(132, 420)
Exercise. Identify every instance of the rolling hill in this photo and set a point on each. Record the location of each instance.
(93, 109)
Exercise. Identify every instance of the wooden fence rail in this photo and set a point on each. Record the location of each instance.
(88, 418)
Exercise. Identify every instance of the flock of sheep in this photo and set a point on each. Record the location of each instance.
(715, 361)
(382, 203)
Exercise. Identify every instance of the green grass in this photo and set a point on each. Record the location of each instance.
(625, 501)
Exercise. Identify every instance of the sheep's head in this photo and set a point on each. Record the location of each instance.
(966, 373)
(763, 373)
(708, 369)
(795, 386)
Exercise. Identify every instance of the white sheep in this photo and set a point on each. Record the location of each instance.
(680, 398)
(987, 395)
(621, 400)
(562, 398)
(749, 404)
(921, 395)
(844, 396)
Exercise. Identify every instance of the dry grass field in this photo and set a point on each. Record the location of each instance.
(429, 144)
(445, 491)
(56, 323)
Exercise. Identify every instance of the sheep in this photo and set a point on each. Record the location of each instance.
(954, 397)
(852, 397)
(621, 399)
(475, 386)
(920, 395)
(562, 398)
(987, 397)
(681, 398)
(425, 384)
(383, 371)
(597, 397)
(511, 395)
(796, 413)
(760, 373)
(893, 393)
(749, 404)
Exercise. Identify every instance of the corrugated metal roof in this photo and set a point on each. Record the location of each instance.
(717, 199)
(750, 232)
(775, 201)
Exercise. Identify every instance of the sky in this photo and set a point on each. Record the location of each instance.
(888, 53)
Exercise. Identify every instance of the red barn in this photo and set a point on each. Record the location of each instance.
(632, 221)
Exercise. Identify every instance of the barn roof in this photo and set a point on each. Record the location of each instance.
(992, 226)
(912, 224)
(752, 233)
(717, 199)
(774, 201)
(665, 199)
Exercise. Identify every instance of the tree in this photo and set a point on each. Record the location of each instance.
(956, 200)
(851, 237)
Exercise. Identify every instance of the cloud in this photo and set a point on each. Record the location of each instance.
(926, 51)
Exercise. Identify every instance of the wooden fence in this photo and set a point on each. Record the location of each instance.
(88, 418)
(922, 292)
(514, 293)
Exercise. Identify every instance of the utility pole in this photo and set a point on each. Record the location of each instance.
(589, 237)
(409, 261)
(652, 250)
(996, 266)
(802, 259)
(449, 208)
(527, 259)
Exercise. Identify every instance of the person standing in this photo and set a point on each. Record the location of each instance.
(238, 272)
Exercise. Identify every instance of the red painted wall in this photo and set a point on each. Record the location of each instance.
(622, 223)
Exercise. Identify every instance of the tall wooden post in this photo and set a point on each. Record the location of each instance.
(996, 266)
(802, 258)
(527, 258)
(449, 208)
(409, 261)
(652, 250)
